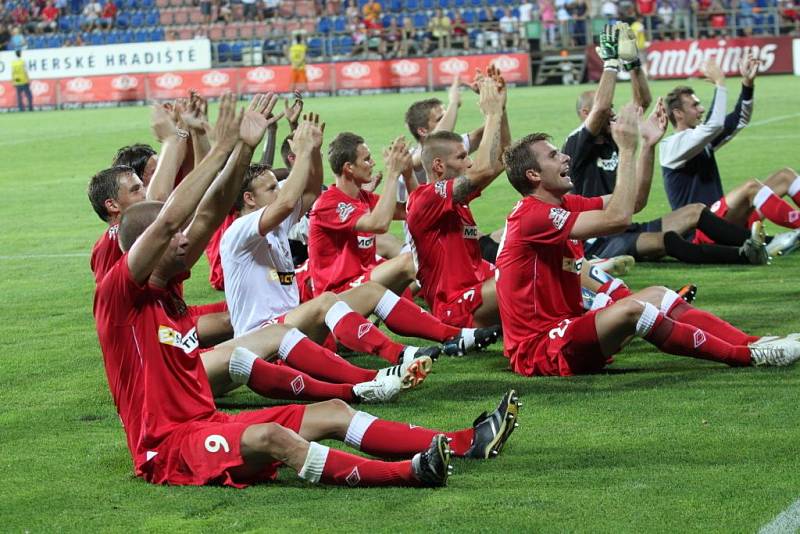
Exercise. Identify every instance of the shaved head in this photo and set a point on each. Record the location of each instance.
(438, 145)
(135, 221)
(585, 101)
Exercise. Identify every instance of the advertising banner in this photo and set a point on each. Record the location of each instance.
(515, 67)
(381, 74)
(134, 58)
(684, 59)
(208, 83)
(122, 88)
(277, 78)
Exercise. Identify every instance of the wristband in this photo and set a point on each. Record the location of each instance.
(180, 132)
(635, 64)
(611, 64)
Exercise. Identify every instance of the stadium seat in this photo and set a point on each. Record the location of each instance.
(236, 52)
(515, 12)
(315, 47)
(444, 4)
(411, 5)
(112, 37)
(141, 36)
(324, 25)
(147, 4)
(339, 24)
(476, 3)
(152, 18)
(223, 52)
(345, 45)
(137, 19)
(468, 15)
(157, 34)
(420, 20)
(97, 39)
(65, 23)
(127, 37)
(34, 41)
(123, 21)
(428, 5)
(459, 4)
(482, 16)
(499, 13)
(396, 6)
(127, 4)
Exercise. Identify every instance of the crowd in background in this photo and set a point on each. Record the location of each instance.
(399, 28)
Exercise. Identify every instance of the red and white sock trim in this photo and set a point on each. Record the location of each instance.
(336, 313)
(647, 320)
(387, 303)
(358, 427)
(794, 187)
(315, 462)
(289, 341)
(762, 196)
(668, 301)
(241, 365)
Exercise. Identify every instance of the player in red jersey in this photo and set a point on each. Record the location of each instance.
(161, 389)
(545, 329)
(456, 281)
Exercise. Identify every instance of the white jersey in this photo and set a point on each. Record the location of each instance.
(259, 272)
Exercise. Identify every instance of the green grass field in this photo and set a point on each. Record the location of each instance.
(658, 443)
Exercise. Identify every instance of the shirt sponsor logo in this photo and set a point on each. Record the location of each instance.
(441, 188)
(284, 279)
(559, 217)
(187, 342)
(344, 210)
(571, 265)
(366, 242)
(470, 232)
(609, 164)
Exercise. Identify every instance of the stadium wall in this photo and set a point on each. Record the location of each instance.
(350, 77)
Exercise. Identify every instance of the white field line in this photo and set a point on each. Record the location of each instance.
(773, 119)
(43, 256)
(787, 522)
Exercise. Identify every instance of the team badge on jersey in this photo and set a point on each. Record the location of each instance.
(441, 188)
(187, 342)
(344, 210)
(559, 217)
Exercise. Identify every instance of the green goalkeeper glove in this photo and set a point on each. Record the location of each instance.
(608, 49)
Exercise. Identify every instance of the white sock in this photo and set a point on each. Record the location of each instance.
(763, 194)
(335, 314)
(241, 365)
(289, 341)
(387, 303)
(358, 427)
(794, 187)
(647, 319)
(315, 462)
(670, 297)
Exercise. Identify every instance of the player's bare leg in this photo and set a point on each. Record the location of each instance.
(309, 317)
(388, 246)
(740, 202)
(781, 181)
(214, 328)
(395, 274)
(488, 313)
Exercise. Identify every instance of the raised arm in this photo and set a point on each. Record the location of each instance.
(488, 163)
(218, 200)
(616, 215)
(604, 96)
(173, 149)
(740, 117)
(629, 56)
(651, 130)
(195, 116)
(396, 158)
(305, 175)
(149, 247)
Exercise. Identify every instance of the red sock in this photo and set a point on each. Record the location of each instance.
(342, 469)
(686, 340)
(323, 364)
(360, 335)
(282, 382)
(794, 190)
(388, 439)
(775, 209)
(684, 312)
(405, 318)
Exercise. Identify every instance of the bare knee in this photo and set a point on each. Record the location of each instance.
(271, 439)
(693, 211)
(407, 263)
(630, 310)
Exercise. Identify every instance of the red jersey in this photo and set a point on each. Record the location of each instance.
(105, 253)
(215, 275)
(337, 253)
(538, 267)
(445, 243)
(154, 370)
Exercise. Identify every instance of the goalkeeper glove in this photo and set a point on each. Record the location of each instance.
(608, 49)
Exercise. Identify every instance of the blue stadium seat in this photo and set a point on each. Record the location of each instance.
(386, 20)
(123, 21)
(128, 4)
(147, 4)
(127, 37)
(482, 15)
(65, 23)
(444, 4)
(157, 34)
(344, 45)
(315, 47)
(468, 15)
(141, 36)
(324, 25)
(476, 3)
(420, 20)
(223, 52)
(152, 18)
(137, 19)
(499, 13)
(35, 41)
(339, 24)
(427, 5)
(236, 52)
(396, 6)
(96, 39)
(411, 5)
(515, 12)
(112, 37)
(459, 4)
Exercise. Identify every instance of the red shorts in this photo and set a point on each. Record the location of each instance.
(203, 452)
(205, 309)
(305, 284)
(720, 209)
(569, 348)
(459, 310)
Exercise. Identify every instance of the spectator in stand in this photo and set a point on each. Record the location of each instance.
(439, 28)
(205, 10)
(271, 8)
(225, 13)
(718, 23)
(790, 16)
(90, 15)
(460, 37)
(579, 10)
(645, 8)
(21, 17)
(5, 36)
(665, 19)
(352, 10)
(390, 40)
(701, 10)
(509, 29)
(564, 17)
(744, 11)
(18, 41)
(250, 9)
(408, 38)
(358, 31)
(489, 35)
(372, 12)
(610, 11)
(108, 15)
(682, 23)
(49, 22)
(528, 11)
(547, 14)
